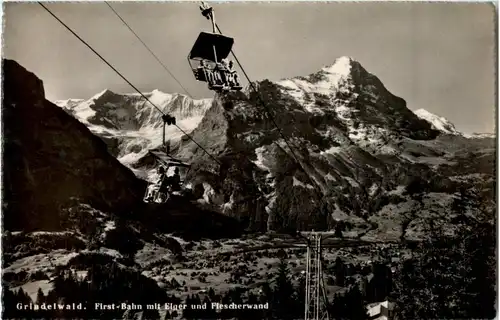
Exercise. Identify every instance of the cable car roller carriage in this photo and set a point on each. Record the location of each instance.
(210, 51)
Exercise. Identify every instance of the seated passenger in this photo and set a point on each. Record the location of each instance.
(234, 75)
(210, 77)
(230, 79)
(230, 66)
(201, 66)
(175, 180)
(151, 192)
(225, 73)
(201, 71)
(236, 81)
(217, 77)
(224, 65)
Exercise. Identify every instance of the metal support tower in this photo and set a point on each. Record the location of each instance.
(316, 301)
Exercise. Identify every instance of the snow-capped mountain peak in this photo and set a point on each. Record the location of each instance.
(325, 81)
(130, 124)
(341, 66)
(328, 81)
(68, 103)
(439, 123)
(100, 94)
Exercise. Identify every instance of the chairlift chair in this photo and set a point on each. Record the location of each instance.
(208, 51)
(153, 192)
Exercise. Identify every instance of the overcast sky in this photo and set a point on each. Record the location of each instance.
(437, 56)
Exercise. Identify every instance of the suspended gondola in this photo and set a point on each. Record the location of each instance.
(210, 52)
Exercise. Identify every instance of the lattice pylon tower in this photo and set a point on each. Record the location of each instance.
(315, 302)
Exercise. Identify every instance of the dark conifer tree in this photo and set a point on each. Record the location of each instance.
(188, 312)
(9, 301)
(339, 272)
(355, 307)
(226, 313)
(284, 302)
(450, 277)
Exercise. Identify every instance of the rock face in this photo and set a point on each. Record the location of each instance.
(360, 152)
(50, 158)
(359, 144)
(130, 125)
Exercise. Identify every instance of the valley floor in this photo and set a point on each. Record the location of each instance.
(246, 263)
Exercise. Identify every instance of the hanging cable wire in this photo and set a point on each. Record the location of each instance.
(166, 115)
(150, 51)
(319, 192)
(271, 118)
(242, 69)
(125, 79)
(101, 57)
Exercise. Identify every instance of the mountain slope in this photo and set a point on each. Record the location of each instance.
(130, 125)
(65, 197)
(59, 176)
(50, 158)
(359, 144)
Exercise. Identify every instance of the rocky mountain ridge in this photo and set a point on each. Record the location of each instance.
(358, 142)
(51, 160)
(367, 167)
(59, 176)
(130, 125)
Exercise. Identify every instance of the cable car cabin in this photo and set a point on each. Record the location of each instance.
(160, 191)
(209, 54)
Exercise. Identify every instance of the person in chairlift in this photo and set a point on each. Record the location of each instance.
(234, 75)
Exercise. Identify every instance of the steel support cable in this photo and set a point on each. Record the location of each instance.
(246, 75)
(104, 60)
(159, 110)
(125, 79)
(150, 51)
(270, 117)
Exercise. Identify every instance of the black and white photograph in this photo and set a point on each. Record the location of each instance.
(249, 160)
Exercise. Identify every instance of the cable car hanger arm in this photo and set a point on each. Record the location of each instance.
(208, 12)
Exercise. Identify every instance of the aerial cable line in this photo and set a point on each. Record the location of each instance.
(166, 115)
(270, 117)
(159, 110)
(319, 192)
(104, 60)
(125, 79)
(150, 51)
